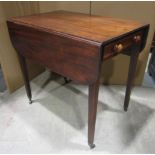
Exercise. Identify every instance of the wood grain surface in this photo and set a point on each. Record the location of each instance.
(72, 58)
(95, 28)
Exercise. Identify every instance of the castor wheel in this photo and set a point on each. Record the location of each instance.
(91, 146)
(150, 73)
(125, 109)
(30, 101)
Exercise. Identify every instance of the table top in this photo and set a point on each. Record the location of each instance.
(95, 28)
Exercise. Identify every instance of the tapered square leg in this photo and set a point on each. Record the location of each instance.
(25, 76)
(92, 109)
(131, 74)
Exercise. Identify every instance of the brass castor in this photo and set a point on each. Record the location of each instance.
(30, 101)
(91, 146)
(125, 109)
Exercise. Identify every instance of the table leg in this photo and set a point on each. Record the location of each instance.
(92, 107)
(25, 76)
(131, 73)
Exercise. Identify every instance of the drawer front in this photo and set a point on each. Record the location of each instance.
(123, 44)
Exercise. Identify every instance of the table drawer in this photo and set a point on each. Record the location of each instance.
(122, 44)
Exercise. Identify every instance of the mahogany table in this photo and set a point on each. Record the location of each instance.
(75, 45)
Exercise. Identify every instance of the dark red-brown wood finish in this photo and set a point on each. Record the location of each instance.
(75, 45)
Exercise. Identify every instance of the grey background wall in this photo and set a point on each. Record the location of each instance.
(8, 57)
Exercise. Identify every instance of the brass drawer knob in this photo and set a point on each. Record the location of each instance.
(118, 47)
(137, 38)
